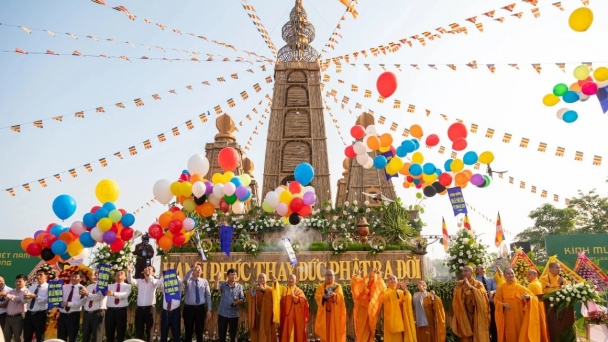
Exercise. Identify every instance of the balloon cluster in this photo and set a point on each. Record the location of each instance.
(585, 87)
(106, 224)
(172, 229)
(370, 141)
(295, 200)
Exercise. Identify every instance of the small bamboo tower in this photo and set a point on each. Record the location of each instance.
(296, 132)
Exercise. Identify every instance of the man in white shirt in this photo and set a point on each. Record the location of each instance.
(146, 302)
(117, 302)
(170, 318)
(3, 301)
(94, 312)
(69, 312)
(35, 317)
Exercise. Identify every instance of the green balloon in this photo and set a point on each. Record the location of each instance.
(488, 179)
(115, 216)
(230, 199)
(189, 205)
(560, 89)
(267, 208)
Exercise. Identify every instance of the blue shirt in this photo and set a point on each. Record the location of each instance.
(490, 285)
(228, 295)
(192, 286)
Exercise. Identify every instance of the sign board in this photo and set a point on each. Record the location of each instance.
(567, 247)
(13, 261)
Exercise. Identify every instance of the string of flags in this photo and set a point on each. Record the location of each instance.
(132, 151)
(333, 39)
(334, 121)
(131, 16)
(350, 7)
(474, 128)
(196, 54)
(147, 204)
(496, 15)
(257, 22)
(139, 102)
(260, 121)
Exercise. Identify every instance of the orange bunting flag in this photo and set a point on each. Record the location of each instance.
(446, 237)
(99, 2)
(467, 223)
(500, 234)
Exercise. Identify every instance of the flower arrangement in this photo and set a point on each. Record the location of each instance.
(466, 251)
(570, 294)
(375, 249)
(521, 272)
(251, 248)
(67, 272)
(597, 317)
(118, 260)
(339, 245)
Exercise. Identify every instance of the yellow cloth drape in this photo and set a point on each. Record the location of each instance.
(399, 324)
(330, 323)
(471, 320)
(520, 323)
(367, 306)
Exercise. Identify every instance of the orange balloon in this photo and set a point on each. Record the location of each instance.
(40, 237)
(165, 243)
(575, 87)
(26, 243)
(179, 215)
(373, 143)
(468, 172)
(181, 199)
(386, 139)
(196, 178)
(165, 218)
(207, 209)
(462, 178)
(462, 186)
(416, 131)
(66, 237)
(444, 192)
(406, 185)
(405, 170)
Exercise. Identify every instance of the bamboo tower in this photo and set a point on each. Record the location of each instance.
(296, 131)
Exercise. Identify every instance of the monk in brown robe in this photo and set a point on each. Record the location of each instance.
(293, 311)
(366, 297)
(430, 316)
(260, 312)
(536, 288)
(471, 320)
(552, 281)
(330, 323)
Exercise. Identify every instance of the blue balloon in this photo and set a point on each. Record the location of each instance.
(438, 172)
(416, 144)
(570, 97)
(570, 116)
(429, 169)
(127, 220)
(416, 181)
(236, 181)
(109, 206)
(304, 173)
(89, 220)
(246, 197)
(186, 172)
(101, 213)
(64, 206)
(56, 230)
(401, 151)
(447, 165)
(86, 240)
(380, 162)
(415, 170)
(66, 256)
(59, 247)
(409, 146)
(470, 158)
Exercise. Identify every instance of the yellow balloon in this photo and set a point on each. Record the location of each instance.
(417, 158)
(228, 176)
(486, 157)
(550, 100)
(104, 224)
(107, 191)
(75, 248)
(581, 19)
(185, 189)
(429, 178)
(581, 72)
(285, 197)
(217, 178)
(396, 163)
(285, 220)
(176, 189)
(384, 149)
(601, 74)
(245, 179)
(391, 170)
(457, 165)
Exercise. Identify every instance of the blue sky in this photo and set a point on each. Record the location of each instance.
(509, 101)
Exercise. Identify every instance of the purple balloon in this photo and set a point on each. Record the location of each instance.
(38, 233)
(309, 198)
(477, 179)
(208, 188)
(241, 191)
(109, 237)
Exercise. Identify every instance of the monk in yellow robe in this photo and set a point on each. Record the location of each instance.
(330, 323)
(471, 320)
(517, 314)
(430, 316)
(552, 281)
(367, 304)
(293, 311)
(536, 288)
(399, 322)
(260, 312)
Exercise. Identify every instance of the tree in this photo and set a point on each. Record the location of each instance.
(592, 211)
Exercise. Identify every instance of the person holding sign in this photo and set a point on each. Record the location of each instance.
(35, 318)
(146, 302)
(260, 312)
(118, 300)
(15, 309)
(231, 298)
(71, 306)
(170, 285)
(197, 302)
(94, 311)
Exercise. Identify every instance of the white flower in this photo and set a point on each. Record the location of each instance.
(122, 252)
(551, 305)
(551, 298)
(568, 299)
(355, 202)
(346, 204)
(366, 203)
(465, 240)
(557, 299)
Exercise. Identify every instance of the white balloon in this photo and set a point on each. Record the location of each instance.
(279, 190)
(272, 198)
(367, 149)
(162, 191)
(218, 190)
(371, 130)
(229, 189)
(82, 255)
(238, 207)
(369, 164)
(97, 234)
(359, 148)
(309, 188)
(198, 163)
(198, 189)
(560, 113)
(582, 97)
(362, 159)
(215, 200)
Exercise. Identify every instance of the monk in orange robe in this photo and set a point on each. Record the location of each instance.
(471, 320)
(293, 311)
(517, 316)
(367, 304)
(260, 312)
(399, 325)
(430, 316)
(537, 289)
(330, 323)
(552, 281)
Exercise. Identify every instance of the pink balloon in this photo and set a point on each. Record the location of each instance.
(188, 224)
(589, 88)
(282, 209)
(78, 228)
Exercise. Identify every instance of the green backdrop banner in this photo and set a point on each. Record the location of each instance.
(13, 260)
(567, 247)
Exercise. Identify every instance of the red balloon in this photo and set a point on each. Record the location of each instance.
(228, 159)
(393, 150)
(357, 132)
(126, 234)
(179, 239)
(459, 144)
(156, 231)
(457, 130)
(410, 179)
(296, 204)
(175, 226)
(94, 209)
(295, 187)
(114, 228)
(48, 228)
(117, 245)
(184, 177)
(432, 140)
(582, 82)
(349, 151)
(124, 212)
(224, 206)
(305, 211)
(386, 84)
(174, 209)
(48, 240)
(34, 249)
(445, 179)
(418, 186)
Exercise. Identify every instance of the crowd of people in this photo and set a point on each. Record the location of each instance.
(484, 309)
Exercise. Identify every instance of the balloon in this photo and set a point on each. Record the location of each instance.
(380, 162)
(457, 165)
(416, 131)
(179, 239)
(199, 189)
(486, 157)
(470, 158)
(97, 234)
(445, 179)
(575, 87)
(109, 237)
(199, 164)
(349, 152)
(560, 113)
(285, 197)
(224, 206)
(104, 224)
(229, 189)
(570, 97)
(26, 242)
(189, 205)
(448, 165)
(408, 145)
(583, 97)
(115, 216)
(33, 249)
(386, 84)
(295, 187)
(570, 116)
(438, 187)
(78, 228)
(462, 178)
(272, 198)
(417, 158)
(309, 198)
(296, 204)
(207, 209)
(429, 191)
(117, 245)
(477, 179)
(64, 206)
(459, 144)
(126, 234)
(432, 140)
(369, 163)
(428, 179)
(267, 207)
(428, 168)
(165, 243)
(362, 159)
(487, 181)
(127, 220)
(415, 170)
(305, 211)
(241, 192)
(581, 19)
(48, 240)
(560, 89)
(371, 130)
(457, 130)
(304, 173)
(66, 237)
(294, 219)
(47, 254)
(109, 206)
(228, 159)
(550, 100)
(282, 209)
(107, 191)
(101, 213)
(581, 82)
(86, 240)
(357, 132)
(589, 88)
(581, 72)
(601, 74)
